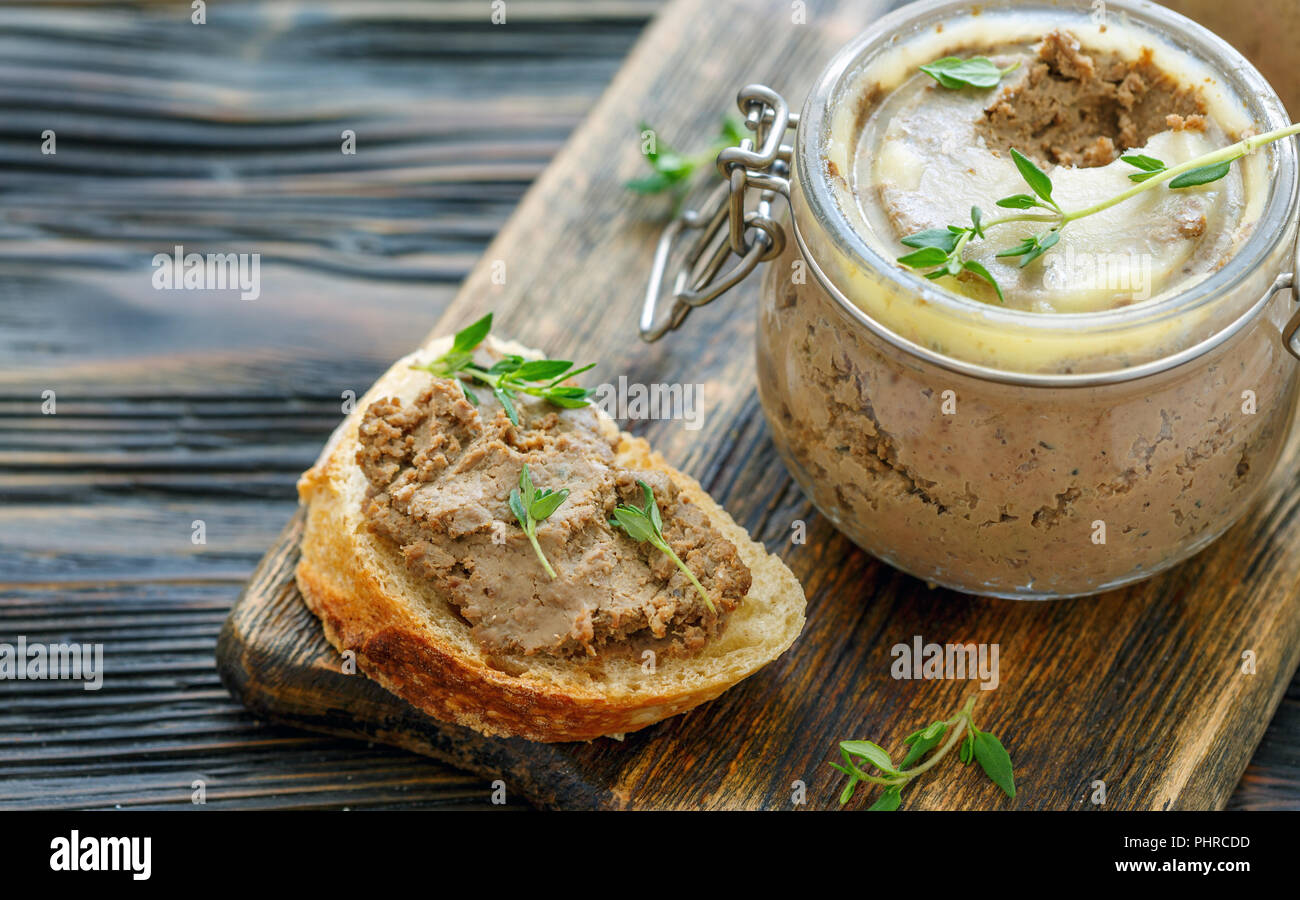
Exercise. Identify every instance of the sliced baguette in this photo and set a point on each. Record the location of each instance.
(411, 640)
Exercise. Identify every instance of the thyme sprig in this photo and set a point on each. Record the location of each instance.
(509, 376)
(1150, 166)
(644, 524)
(926, 747)
(531, 506)
(672, 170)
(942, 247)
(940, 250)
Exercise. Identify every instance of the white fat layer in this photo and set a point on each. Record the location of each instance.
(927, 167)
(930, 166)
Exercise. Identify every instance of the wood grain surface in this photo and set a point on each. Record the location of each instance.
(175, 407)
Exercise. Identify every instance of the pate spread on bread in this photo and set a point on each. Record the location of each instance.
(413, 558)
(441, 471)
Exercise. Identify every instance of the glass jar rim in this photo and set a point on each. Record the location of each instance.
(1258, 96)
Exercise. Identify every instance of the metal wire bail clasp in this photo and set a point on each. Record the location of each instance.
(761, 165)
(1291, 333)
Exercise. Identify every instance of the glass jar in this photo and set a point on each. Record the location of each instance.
(987, 449)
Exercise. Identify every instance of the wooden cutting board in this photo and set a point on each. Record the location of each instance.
(1142, 688)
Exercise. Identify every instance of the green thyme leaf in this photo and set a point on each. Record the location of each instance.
(531, 506)
(847, 794)
(651, 508)
(1020, 249)
(872, 753)
(542, 369)
(1045, 242)
(971, 265)
(510, 375)
(928, 731)
(967, 751)
(526, 486)
(1145, 163)
(506, 364)
(635, 523)
(517, 507)
(1032, 247)
(955, 73)
(508, 404)
(1203, 175)
(572, 374)
(559, 397)
(674, 165)
(672, 170)
(656, 183)
(734, 130)
(1150, 166)
(995, 761)
(926, 256)
(644, 524)
(1018, 201)
(468, 339)
(461, 353)
(546, 503)
(922, 742)
(944, 239)
(1139, 177)
(888, 801)
(1035, 177)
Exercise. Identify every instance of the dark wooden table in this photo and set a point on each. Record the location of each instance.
(179, 406)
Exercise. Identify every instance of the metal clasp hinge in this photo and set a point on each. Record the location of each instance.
(760, 164)
(1292, 281)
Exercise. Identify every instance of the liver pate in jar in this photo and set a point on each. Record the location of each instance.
(988, 353)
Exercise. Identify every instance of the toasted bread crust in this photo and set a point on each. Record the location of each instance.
(450, 688)
(417, 649)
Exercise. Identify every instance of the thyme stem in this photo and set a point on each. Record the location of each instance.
(944, 249)
(1227, 154)
(958, 726)
(960, 730)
